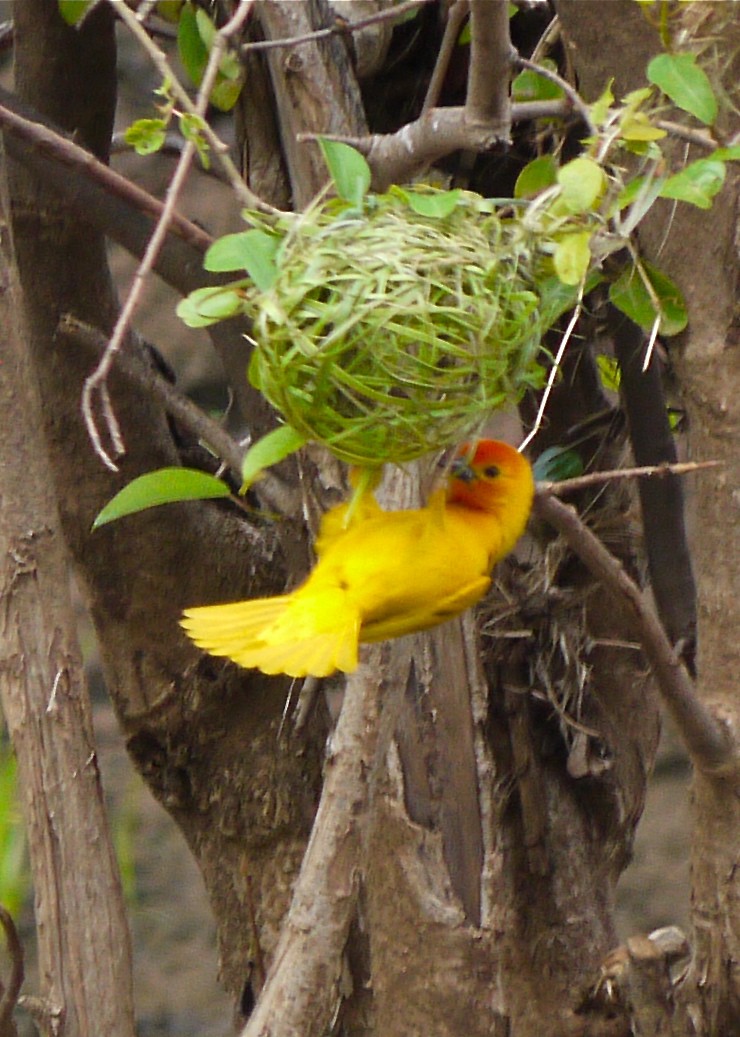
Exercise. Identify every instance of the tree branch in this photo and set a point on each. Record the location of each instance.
(303, 981)
(397, 157)
(56, 149)
(710, 744)
(487, 102)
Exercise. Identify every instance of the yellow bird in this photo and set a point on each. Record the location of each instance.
(381, 574)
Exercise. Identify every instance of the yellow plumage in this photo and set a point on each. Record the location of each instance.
(386, 574)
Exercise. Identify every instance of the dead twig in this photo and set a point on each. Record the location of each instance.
(710, 744)
(581, 482)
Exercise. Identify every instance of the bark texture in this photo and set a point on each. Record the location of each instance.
(83, 940)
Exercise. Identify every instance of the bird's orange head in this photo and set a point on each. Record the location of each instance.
(491, 476)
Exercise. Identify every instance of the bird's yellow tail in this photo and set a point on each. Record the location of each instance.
(298, 634)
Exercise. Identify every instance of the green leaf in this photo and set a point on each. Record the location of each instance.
(687, 85)
(600, 108)
(697, 184)
(536, 176)
(348, 169)
(437, 205)
(532, 86)
(582, 183)
(165, 486)
(206, 28)
(572, 257)
(731, 154)
(225, 93)
(557, 463)
(556, 298)
(191, 48)
(637, 126)
(146, 135)
(207, 306)
(73, 11)
(274, 447)
(630, 295)
(609, 370)
(251, 250)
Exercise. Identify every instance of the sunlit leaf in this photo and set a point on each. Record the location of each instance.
(251, 250)
(536, 176)
(274, 447)
(347, 168)
(582, 182)
(572, 257)
(609, 371)
(637, 126)
(73, 11)
(687, 85)
(532, 86)
(731, 154)
(630, 295)
(165, 486)
(206, 306)
(600, 108)
(436, 205)
(697, 184)
(146, 136)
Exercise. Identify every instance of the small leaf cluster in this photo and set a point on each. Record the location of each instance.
(588, 209)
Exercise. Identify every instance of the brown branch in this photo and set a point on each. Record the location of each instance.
(63, 151)
(709, 742)
(581, 482)
(487, 101)
(396, 157)
(303, 981)
(702, 138)
(9, 998)
(276, 494)
(455, 18)
(573, 96)
(340, 28)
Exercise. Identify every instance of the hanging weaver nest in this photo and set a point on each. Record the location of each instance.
(388, 333)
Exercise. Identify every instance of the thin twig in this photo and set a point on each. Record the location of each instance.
(581, 482)
(455, 17)
(340, 28)
(573, 96)
(702, 138)
(221, 150)
(274, 493)
(710, 743)
(95, 387)
(47, 141)
(173, 401)
(554, 369)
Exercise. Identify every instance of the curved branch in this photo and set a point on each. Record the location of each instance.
(710, 744)
(397, 157)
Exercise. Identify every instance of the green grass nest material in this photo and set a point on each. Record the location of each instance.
(387, 334)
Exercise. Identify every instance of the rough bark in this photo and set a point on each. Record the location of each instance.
(699, 250)
(84, 947)
(204, 736)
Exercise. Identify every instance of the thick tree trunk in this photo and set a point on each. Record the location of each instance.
(84, 947)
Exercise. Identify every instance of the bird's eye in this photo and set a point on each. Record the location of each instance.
(491, 471)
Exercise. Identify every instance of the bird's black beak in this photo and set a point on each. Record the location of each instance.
(460, 469)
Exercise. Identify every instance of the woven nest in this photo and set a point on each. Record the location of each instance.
(388, 334)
